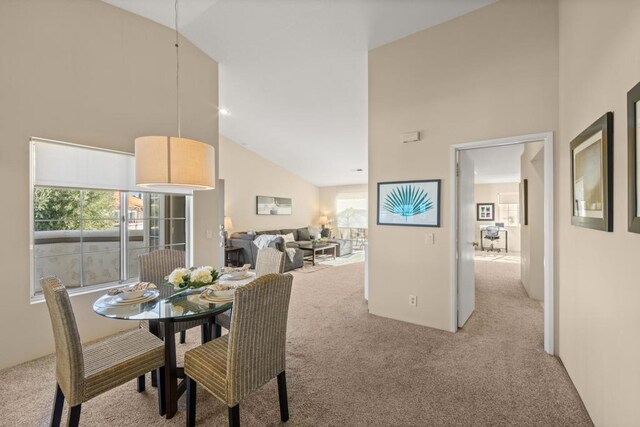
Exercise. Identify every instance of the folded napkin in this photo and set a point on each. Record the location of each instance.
(140, 286)
(227, 270)
(209, 291)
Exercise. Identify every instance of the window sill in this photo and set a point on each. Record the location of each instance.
(37, 299)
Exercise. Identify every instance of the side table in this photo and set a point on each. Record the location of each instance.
(233, 260)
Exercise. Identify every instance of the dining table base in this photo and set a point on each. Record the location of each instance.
(174, 377)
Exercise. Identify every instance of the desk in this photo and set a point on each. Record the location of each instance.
(506, 238)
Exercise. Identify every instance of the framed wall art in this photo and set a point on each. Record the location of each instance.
(273, 205)
(409, 203)
(592, 176)
(485, 211)
(633, 121)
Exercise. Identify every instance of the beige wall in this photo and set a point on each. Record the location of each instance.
(488, 193)
(532, 234)
(247, 175)
(88, 73)
(598, 274)
(491, 73)
(328, 197)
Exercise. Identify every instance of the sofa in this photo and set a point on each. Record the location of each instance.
(244, 241)
(249, 255)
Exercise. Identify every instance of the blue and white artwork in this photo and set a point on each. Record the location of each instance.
(410, 203)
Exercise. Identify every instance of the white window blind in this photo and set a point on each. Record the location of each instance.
(61, 164)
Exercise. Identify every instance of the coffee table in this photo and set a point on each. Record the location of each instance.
(312, 250)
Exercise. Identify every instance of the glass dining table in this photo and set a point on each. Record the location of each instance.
(180, 307)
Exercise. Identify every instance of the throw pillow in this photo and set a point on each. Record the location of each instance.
(314, 231)
(288, 238)
(303, 234)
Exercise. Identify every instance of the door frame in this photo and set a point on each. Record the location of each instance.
(549, 286)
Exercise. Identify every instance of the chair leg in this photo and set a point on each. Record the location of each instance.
(162, 406)
(74, 416)
(191, 402)
(154, 378)
(141, 385)
(205, 334)
(282, 395)
(58, 403)
(234, 416)
(183, 337)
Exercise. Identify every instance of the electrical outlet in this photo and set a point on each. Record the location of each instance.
(209, 234)
(413, 300)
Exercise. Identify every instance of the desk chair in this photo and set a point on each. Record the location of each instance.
(492, 233)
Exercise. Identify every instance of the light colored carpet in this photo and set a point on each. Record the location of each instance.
(309, 268)
(346, 367)
(511, 257)
(352, 258)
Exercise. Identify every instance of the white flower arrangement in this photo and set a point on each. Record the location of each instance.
(202, 274)
(184, 278)
(177, 276)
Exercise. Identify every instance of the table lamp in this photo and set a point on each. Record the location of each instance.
(228, 225)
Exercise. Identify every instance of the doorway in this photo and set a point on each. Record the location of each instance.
(465, 214)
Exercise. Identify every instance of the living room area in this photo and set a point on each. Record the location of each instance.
(318, 226)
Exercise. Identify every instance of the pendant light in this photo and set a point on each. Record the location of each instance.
(169, 162)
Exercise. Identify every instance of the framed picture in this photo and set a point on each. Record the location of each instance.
(524, 202)
(592, 176)
(409, 203)
(633, 121)
(273, 205)
(485, 211)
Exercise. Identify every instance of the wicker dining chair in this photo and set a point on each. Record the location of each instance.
(270, 260)
(251, 354)
(154, 267)
(84, 373)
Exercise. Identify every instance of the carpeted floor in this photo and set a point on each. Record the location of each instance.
(346, 367)
(513, 258)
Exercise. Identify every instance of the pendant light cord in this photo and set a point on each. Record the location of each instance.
(177, 73)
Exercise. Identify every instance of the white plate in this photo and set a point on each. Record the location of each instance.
(247, 275)
(236, 274)
(149, 295)
(225, 294)
(132, 294)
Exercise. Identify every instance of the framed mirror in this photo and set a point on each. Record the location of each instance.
(633, 121)
(592, 176)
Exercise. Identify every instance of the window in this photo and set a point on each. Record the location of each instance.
(351, 215)
(89, 220)
(79, 235)
(508, 207)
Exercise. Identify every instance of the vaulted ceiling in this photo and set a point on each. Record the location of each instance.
(293, 73)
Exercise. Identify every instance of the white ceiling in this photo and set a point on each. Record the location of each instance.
(293, 73)
(497, 165)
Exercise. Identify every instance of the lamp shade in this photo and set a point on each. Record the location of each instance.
(323, 220)
(228, 224)
(167, 162)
